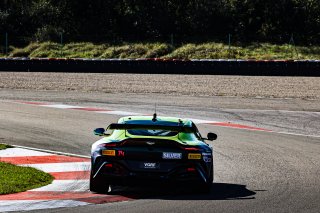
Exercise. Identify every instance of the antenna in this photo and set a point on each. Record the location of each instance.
(154, 119)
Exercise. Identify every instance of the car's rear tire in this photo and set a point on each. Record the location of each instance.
(98, 185)
(206, 187)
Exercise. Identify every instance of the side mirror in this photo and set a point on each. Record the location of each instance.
(99, 131)
(211, 136)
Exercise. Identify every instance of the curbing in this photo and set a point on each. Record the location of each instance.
(69, 187)
(50, 151)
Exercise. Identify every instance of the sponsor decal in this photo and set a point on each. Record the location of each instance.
(194, 156)
(149, 165)
(206, 154)
(207, 159)
(171, 155)
(109, 152)
(120, 153)
(150, 143)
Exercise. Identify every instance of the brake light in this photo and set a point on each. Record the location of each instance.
(109, 144)
(191, 148)
(109, 165)
(191, 169)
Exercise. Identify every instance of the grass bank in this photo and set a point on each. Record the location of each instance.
(18, 179)
(4, 146)
(211, 50)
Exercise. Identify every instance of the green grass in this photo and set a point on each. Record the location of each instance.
(18, 179)
(262, 51)
(4, 146)
(209, 50)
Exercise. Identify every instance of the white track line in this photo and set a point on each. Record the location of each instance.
(297, 134)
(65, 185)
(19, 152)
(27, 205)
(197, 121)
(61, 167)
(200, 121)
(62, 106)
(118, 112)
(51, 152)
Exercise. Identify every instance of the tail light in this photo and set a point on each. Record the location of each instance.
(191, 169)
(110, 149)
(106, 149)
(109, 165)
(106, 145)
(191, 149)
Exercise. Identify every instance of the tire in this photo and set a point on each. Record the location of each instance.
(98, 185)
(206, 187)
(211, 175)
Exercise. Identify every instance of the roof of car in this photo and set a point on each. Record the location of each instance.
(160, 120)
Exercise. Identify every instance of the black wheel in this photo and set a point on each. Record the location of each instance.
(206, 187)
(211, 175)
(98, 185)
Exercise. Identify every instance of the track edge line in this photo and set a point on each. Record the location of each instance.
(51, 151)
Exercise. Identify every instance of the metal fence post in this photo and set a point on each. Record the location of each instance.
(291, 42)
(229, 44)
(171, 40)
(61, 44)
(6, 44)
(114, 43)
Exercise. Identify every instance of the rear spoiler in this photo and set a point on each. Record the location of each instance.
(114, 126)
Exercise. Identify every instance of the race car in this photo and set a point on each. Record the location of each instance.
(143, 149)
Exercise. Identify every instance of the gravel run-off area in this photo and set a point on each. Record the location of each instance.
(190, 85)
(283, 104)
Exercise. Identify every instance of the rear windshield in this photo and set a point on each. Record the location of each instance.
(150, 132)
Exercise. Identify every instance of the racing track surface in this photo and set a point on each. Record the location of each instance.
(254, 171)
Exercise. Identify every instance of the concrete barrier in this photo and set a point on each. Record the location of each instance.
(165, 66)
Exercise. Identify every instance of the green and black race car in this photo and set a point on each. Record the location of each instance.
(140, 149)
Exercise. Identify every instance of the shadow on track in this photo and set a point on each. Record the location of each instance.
(219, 191)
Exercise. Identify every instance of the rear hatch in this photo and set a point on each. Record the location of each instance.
(152, 155)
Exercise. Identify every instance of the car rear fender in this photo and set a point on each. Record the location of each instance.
(203, 175)
(99, 169)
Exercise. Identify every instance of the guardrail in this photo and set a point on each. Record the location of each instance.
(165, 66)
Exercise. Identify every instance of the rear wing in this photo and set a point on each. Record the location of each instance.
(115, 126)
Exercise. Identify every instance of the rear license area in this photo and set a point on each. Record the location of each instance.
(149, 165)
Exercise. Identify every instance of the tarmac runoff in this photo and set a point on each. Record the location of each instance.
(74, 198)
(126, 113)
(70, 172)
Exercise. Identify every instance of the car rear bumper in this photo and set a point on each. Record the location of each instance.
(116, 173)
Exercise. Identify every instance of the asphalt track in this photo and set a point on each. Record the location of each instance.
(255, 171)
